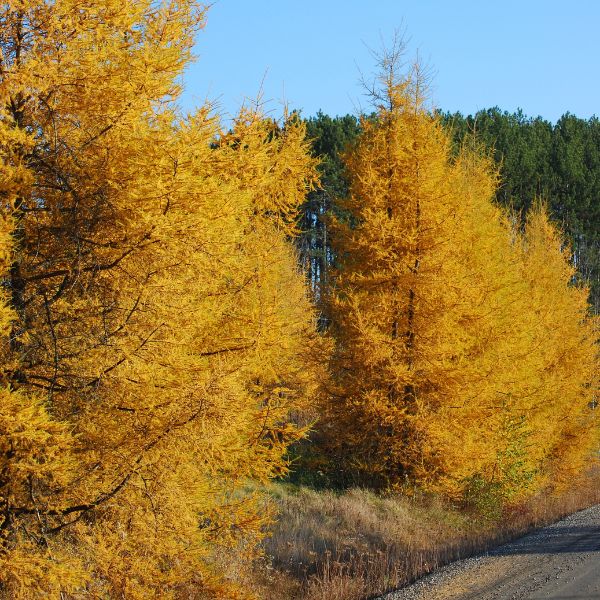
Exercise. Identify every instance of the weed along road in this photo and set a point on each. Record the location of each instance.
(561, 562)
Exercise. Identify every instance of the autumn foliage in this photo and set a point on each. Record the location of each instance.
(157, 332)
(159, 353)
(465, 361)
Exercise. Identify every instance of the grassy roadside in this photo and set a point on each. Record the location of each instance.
(355, 545)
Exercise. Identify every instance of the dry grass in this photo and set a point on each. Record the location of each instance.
(356, 545)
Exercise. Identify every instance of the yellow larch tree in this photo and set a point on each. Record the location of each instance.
(157, 310)
(560, 395)
(421, 306)
(273, 165)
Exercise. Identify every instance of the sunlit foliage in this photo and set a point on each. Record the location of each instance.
(563, 370)
(158, 345)
(443, 377)
(159, 334)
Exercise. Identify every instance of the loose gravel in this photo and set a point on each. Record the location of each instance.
(550, 562)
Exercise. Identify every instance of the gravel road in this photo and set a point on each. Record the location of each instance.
(561, 562)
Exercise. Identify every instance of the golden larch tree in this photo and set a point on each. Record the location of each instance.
(158, 314)
(35, 458)
(421, 306)
(560, 395)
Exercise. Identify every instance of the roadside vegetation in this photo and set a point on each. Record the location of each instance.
(222, 378)
(355, 544)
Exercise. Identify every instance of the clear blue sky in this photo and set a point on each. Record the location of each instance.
(541, 56)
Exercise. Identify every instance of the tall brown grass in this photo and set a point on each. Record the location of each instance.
(357, 545)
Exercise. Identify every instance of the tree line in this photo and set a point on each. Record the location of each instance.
(558, 163)
(163, 354)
